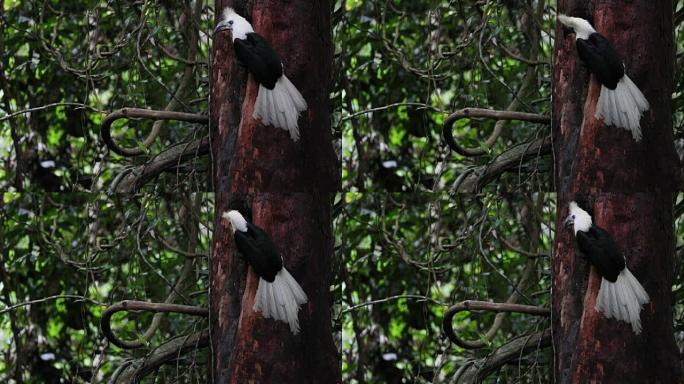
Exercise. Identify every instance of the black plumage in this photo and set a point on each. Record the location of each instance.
(259, 251)
(260, 59)
(602, 60)
(600, 249)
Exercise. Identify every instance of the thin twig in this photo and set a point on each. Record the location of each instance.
(386, 299)
(46, 106)
(421, 105)
(31, 302)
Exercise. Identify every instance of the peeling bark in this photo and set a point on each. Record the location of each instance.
(633, 187)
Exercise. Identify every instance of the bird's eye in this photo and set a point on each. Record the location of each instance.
(230, 22)
(573, 216)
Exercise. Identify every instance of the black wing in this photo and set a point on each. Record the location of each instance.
(598, 246)
(259, 251)
(261, 60)
(602, 60)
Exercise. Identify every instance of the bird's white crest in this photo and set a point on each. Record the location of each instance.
(581, 27)
(240, 27)
(581, 220)
(237, 222)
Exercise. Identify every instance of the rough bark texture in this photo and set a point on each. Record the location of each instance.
(258, 158)
(287, 189)
(247, 347)
(633, 186)
(605, 158)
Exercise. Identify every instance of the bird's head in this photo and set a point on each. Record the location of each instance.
(237, 222)
(581, 26)
(578, 218)
(238, 25)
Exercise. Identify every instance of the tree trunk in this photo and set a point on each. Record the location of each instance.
(287, 189)
(633, 187)
(256, 158)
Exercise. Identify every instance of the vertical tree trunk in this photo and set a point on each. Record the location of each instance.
(258, 158)
(633, 185)
(287, 188)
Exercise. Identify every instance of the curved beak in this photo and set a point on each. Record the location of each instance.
(569, 221)
(222, 26)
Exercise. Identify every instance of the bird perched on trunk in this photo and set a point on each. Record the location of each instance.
(278, 102)
(278, 296)
(621, 103)
(621, 295)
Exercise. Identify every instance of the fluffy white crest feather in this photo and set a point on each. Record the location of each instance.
(237, 221)
(280, 299)
(239, 26)
(581, 27)
(580, 218)
(622, 299)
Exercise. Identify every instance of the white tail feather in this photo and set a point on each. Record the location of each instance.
(622, 299)
(280, 106)
(622, 106)
(280, 299)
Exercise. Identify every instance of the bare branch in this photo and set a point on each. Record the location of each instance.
(393, 105)
(129, 113)
(478, 370)
(132, 305)
(485, 113)
(474, 305)
(46, 106)
(172, 55)
(133, 179)
(135, 370)
(477, 178)
(373, 302)
(44, 299)
(519, 57)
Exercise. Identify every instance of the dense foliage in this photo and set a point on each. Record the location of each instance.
(404, 66)
(66, 256)
(67, 64)
(408, 246)
(77, 253)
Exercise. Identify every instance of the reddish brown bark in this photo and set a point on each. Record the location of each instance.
(633, 186)
(606, 158)
(249, 348)
(258, 158)
(287, 189)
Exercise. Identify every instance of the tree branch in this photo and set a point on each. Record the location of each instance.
(486, 113)
(135, 370)
(478, 370)
(474, 305)
(46, 106)
(44, 299)
(132, 305)
(128, 113)
(131, 180)
(481, 176)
